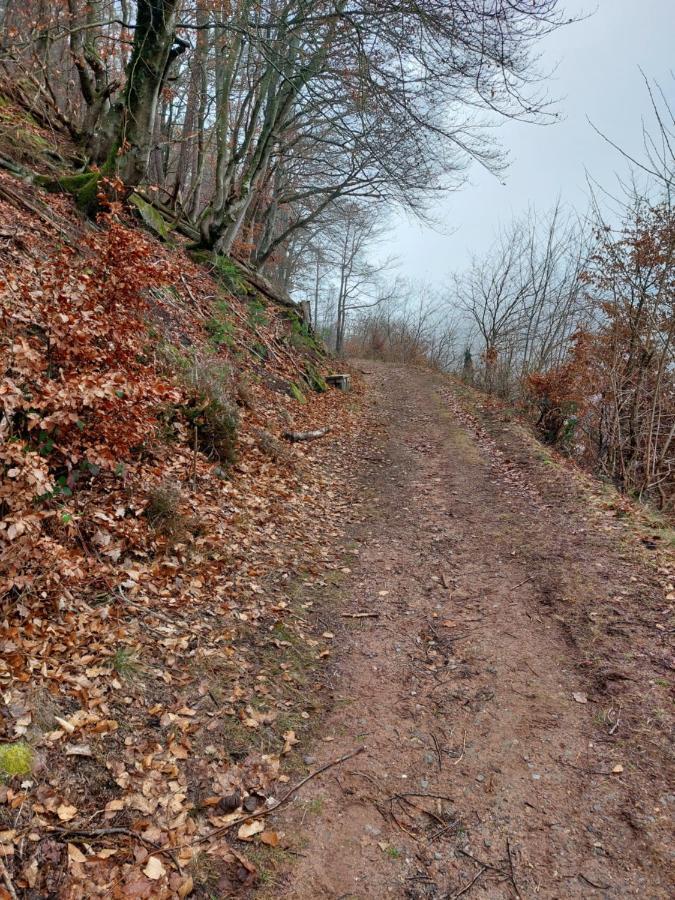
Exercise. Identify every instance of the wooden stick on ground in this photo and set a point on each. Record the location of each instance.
(360, 615)
(295, 436)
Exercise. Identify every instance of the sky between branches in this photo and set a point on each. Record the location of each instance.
(596, 78)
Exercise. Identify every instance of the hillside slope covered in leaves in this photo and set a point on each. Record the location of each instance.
(152, 533)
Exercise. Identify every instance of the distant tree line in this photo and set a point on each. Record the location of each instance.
(574, 318)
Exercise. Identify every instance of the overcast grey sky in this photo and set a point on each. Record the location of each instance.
(597, 78)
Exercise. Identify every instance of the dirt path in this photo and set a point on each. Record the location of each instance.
(497, 603)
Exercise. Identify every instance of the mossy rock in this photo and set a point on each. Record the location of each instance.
(296, 393)
(151, 216)
(301, 336)
(315, 381)
(16, 759)
(84, 187)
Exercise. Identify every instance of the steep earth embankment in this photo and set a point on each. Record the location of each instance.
(154, 526)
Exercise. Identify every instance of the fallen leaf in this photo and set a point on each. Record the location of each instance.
(30, 872)
(65, 812)
(249, 829)
(186, 887)
(618, 769)
(154, 869)
(289, 741)
(271, 838)
(75, 854)
(257, 717)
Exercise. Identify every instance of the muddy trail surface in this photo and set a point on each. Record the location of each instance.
(503, 665)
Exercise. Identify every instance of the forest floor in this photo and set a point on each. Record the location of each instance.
(509, 686)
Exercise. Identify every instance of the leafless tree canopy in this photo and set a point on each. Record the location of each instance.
(250, 119)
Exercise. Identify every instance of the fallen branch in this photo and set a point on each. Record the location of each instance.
(258, 280)
(287, 796)
(66, 833)
(438, 751)
(295, 436)
(12, 167)
(360, 615)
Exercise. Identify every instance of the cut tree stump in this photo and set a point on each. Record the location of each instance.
(341, 382)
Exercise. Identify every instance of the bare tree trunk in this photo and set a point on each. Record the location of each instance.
(155, 48)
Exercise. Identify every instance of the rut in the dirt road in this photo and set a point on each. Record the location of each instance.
(486, 772)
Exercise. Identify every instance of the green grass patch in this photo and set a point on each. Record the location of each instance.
(224, 270)
(16, 759)
(125, 663)
(257, 313)
(220, 327)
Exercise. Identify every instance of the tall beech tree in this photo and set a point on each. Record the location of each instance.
(131, 121)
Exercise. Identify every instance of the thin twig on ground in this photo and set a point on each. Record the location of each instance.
(432, 815)
(581, 769)
(461, 756)
(438, 751)
(470, 884)
(6, 877)
(594, 884)
(287, 796)
(481, 862)
(67, 833)
(512, 870)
